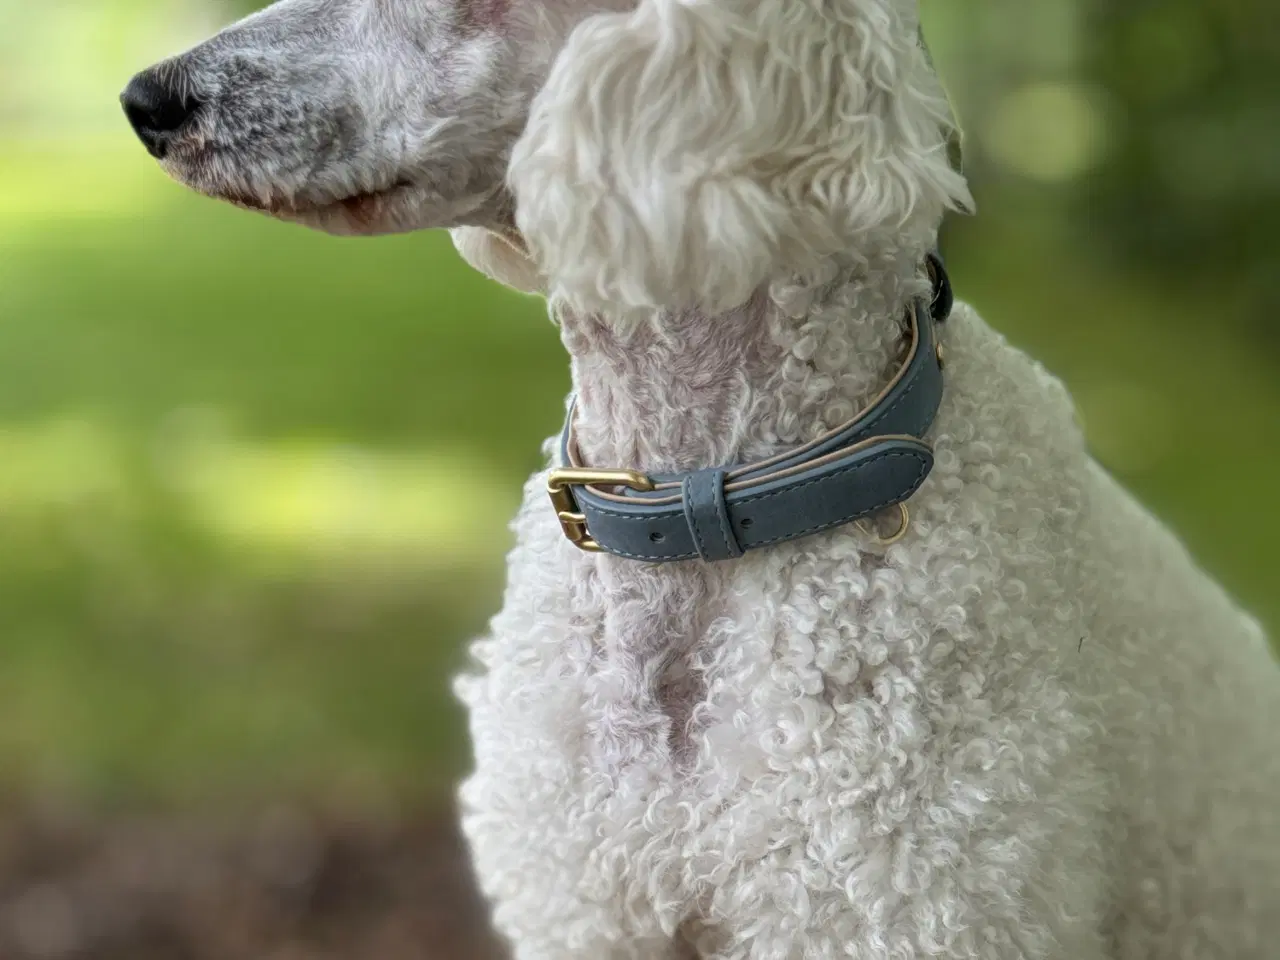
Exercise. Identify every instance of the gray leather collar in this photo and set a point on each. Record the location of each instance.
(876, 460)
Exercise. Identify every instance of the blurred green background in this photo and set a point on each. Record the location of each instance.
(254, 481)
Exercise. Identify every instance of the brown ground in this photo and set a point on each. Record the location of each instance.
(286, 886)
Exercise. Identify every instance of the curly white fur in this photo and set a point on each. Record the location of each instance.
(1031, 730)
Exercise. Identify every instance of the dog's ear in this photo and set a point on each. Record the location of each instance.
(685, 153)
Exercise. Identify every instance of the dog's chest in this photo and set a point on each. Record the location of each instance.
(720, 732)
(697, 685)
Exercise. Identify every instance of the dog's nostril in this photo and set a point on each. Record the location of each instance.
(156, 107)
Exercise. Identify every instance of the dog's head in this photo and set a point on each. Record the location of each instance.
(650, 152)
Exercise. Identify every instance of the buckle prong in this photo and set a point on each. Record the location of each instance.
(560, 484)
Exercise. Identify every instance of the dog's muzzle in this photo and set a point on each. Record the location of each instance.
(874, 461)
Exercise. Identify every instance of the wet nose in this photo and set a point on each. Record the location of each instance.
(157, 108)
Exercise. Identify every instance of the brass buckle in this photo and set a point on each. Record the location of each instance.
(572, 522)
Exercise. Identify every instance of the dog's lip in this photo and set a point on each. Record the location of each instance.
(355, 204)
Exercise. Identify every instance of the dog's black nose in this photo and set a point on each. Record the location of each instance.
(157, 108)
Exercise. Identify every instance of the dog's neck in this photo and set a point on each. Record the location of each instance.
(684, 391)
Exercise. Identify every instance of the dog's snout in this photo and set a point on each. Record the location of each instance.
(157, 107)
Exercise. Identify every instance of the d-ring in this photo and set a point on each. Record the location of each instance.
(901, 532)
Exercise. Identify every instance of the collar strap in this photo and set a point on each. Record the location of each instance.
(876, 460)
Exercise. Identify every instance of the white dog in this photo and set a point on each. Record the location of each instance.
(1029, 727)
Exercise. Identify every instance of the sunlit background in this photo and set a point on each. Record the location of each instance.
(254, 482)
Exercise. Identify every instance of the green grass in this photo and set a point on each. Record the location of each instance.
(254, 481)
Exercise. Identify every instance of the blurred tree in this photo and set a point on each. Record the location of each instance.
(1192, 184)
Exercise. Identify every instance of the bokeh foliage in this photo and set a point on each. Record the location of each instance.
(254, 481)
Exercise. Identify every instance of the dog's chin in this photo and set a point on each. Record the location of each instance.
(399, 209)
